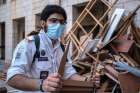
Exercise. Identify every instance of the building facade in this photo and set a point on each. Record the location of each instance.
(19, 17)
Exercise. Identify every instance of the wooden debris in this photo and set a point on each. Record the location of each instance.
(129, 83)
(87, 55)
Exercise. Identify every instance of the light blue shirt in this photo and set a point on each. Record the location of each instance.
(23, 56)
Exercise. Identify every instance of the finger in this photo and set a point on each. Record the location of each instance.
(96, 79)
(49, 89)
(97, 85)
(118, 63)
(114, 63)
(55, 75)
(3, 75)
(118, 68)
(48, 84)
(56, 80)
(53, 84)
(125, 63)
(52, 79)
(97, 82)
(96, 76)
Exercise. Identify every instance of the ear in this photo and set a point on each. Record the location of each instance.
(42, 23)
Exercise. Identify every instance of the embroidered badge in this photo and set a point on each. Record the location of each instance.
(42, 53)
(43, 59)
(18, 55)
(20, 51)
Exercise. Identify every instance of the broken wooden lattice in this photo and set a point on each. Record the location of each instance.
(95, 14)
(84, 40)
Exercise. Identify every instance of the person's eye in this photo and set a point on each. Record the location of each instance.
(54, 21)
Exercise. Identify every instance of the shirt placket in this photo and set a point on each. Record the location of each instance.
(54, 63)
(52, 60)
(52, 54)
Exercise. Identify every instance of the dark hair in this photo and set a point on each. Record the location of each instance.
(50, 9)
(47, 11)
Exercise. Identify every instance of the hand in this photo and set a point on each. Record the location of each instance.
(121, 66)
(52, 83)
(3, 76)
(96, 80)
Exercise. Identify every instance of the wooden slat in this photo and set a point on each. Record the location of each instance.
(94, 18)
(81, 27)
(73, 86)
(82, 16)
(77, 83)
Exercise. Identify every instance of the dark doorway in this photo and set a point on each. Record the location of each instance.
(2, 40)
(19, 30)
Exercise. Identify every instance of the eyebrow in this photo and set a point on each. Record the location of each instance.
(56, 18)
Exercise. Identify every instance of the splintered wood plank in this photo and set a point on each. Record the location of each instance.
(63, 61)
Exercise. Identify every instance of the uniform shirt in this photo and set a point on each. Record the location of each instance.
(49, 59)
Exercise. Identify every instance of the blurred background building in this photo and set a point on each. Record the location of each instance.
(19, 17)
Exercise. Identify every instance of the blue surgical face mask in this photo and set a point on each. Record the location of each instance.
(55, 31)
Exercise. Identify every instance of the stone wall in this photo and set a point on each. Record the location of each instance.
(15, 9)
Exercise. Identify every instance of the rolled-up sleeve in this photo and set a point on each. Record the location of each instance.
(21, 60)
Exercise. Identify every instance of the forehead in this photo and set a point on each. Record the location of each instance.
(56, 15)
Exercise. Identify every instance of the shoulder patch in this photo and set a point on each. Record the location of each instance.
(20, 50)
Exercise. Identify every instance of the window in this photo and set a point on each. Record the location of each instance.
(37, 22)
(19, 30)
(2, 2)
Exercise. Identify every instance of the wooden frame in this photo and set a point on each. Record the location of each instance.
(79, 86)
(96, 21)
